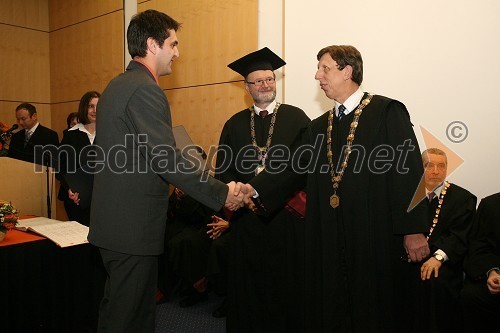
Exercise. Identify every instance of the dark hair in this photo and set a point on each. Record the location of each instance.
(28, 107)
(345, 55)
(70, 117)
(150, 23)
(83, 108)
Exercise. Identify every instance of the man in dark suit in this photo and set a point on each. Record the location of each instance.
(130, 194)
(480, 298)
(451, 211)
(22, 144)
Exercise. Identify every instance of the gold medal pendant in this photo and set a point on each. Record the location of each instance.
(334, 201)
(259, 169)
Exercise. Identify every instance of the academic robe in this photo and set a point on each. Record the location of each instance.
(187, 244)
(356, 280)
(480, 308)
(451, 235)
(265, 258)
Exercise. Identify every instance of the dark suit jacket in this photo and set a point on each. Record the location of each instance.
(41, 136)
(484, 250)
(71, 161)
(130, 195)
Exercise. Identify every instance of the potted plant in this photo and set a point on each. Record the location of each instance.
(8, 218)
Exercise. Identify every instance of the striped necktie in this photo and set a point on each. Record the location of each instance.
(342, 109)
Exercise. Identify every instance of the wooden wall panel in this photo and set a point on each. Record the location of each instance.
(8, 113)
(24, 55)
(213, 34)
(59, 114)
(67, 12)
(33, 14)
(204, 110)
(85, 56)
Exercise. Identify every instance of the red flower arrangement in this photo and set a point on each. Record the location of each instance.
(4, 138)
(8, 216)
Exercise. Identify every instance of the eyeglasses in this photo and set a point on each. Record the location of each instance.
(269, 81)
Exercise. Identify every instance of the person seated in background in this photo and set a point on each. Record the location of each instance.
(451, 212)
(74, 141)
(480, 297)
(22, 144)
(186, 247)
(218, 261)
(71, 121)
(190, 253)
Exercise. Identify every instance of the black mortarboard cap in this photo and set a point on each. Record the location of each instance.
(263, 59)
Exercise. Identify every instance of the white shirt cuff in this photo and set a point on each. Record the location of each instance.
(441, 252)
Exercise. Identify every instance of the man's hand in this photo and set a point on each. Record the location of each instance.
(74, 196)
(218, 225)
(249, 192)
(417, 247)
(493, 282)
(431, 265)
(235, 196)
(179, 193)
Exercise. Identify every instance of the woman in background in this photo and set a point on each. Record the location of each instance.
(76, 139)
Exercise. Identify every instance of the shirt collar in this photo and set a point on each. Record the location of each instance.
(350, 103)
(437, 190)
(269, 108)
(33, 129)
(81, 127)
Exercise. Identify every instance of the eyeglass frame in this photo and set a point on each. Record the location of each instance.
(269, 81)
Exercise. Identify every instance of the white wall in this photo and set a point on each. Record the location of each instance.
(440, 58)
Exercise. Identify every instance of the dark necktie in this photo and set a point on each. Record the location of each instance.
(341, 111)
(27, 136)
(263, 113)
(430, 196)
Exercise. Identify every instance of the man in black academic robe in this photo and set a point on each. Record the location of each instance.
(480, 297)
(264, 258)
(451, 211)
(358, 236)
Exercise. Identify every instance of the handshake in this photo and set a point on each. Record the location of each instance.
(238, 195)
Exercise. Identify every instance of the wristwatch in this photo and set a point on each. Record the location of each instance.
(438, 257)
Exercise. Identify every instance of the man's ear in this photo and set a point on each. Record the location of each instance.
(151, 45)
(35, 116)
(347, 72)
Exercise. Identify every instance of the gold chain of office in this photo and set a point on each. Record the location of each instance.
(337, 178)
(438, 209)
(262, 150)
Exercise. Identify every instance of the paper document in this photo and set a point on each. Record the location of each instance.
(62, 233)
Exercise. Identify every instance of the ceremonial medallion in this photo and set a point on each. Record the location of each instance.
(259, 169)
(337, 177)
(334, 201)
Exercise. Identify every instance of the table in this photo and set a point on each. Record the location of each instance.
(45, 288)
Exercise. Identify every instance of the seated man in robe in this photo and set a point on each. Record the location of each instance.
(480, 297)
(451, 211)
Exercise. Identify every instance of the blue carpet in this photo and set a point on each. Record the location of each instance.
(171, 318)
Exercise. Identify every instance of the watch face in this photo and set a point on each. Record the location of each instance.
(439, 257)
